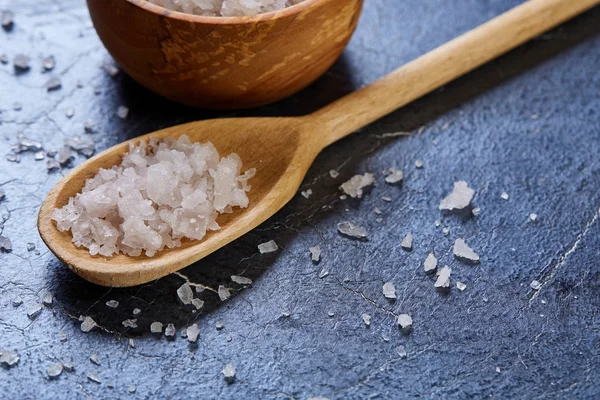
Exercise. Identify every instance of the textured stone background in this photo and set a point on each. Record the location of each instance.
(527, 124)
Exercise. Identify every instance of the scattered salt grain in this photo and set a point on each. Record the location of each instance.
(323, 273)
(267, 247)
(404, 321)
(110, 68)
(407, 242)
(430, 263)
(62, 335)
(112, 303)
(49, 63)
(130, 323)
(192, 333)
(389, 290)
(70, 112)
(333, 173)
(7, 20)
(68, 366)
(170, 330)
(89, 126)
(419, 164)
(17, 107)
(385, 338)
(378, 211)
(306, 193)
(343, 197)
(464, 252)
(445, 231)
(535, 285)
(286, 314)
(4, 59)
(386, 198)
(395, 176)
(229, 373)
(136, 311)
(39, 156)
(355, 185)
(21, 63)
(34, 311)
(366, 319)
(95, 358)
(443, 279)
(476, 211)
(224, 293)
(401, 351)
(17, 301)
(86, 147)
(315, 253)
(156, 327)
(26, 144)
(131, 388)
(47, 298)
(219, 325)
(533, 217)
(54, 370)
(2, 195)
(9, 359)
(460, 286)
(498, 370)
(122, 112)
(460, 197)
(53, 83)
(88, 324)
(93, 377)
(185, 294)
(5, 244)
(197, 303)
(349, 229)
(241, 280)
(504, 195)
(52, 164)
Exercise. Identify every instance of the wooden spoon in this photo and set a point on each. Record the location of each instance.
(282, 149)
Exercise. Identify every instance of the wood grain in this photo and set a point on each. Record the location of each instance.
(282, 149)
(225, 62)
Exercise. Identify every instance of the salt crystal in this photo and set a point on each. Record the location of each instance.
(136, 311)
(460, 286)
(306, 193)
(17, 301)
(64, 155)
(437, 222)
(323, 273)
(26, 144)
(68, 366)
(401, 351)
(333, 173)
(343, 197)
(47, 298)
(223, 292)
(93, 377)
(241, 280)
(79, 84)
(49, 63)
(9, 359)
(170, 330)
(443, 279)
(315, 253)
(89, 126)
(70, 112)
(498, 370)
(354, 187)
(84, 146)
(407, 242)
(389, 290)
(95, 358)
(445, 231)
(460, 197)
(110, 68)
(34, 311)
(122, 112)
(7, 20)
(385, 338)
(535, 285)
(386, 198)
(378, 211)
(366, 319)
(62, 335)
(54, 370)
(185, 294)
(52, 164)
(286, 314)
(533, 217)
(53, 83)
(2, 195)
(112, 303)
(219, 325)
(395, 176)
(504, 195)
(419, 163)
(4, 59)
(404, 321)
(21, 63)
(131, 388)
(192, 333)
(229, 373)
(267, 247)
(156, 327)
(352, 230)
(476, 211)
(39, 156)
(197, 303)
(17, 106)
(331, 314)
(130, 323)
(5, 244)
(464, 252)
(430, 263)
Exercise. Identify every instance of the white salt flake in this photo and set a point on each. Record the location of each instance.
(366, 319)
(404, 321)
(47, 298)
(95, 358)
(349, 229)
(9, 359)
(315, 253)
(136, 311)
(241, 280)
(459, 199)
(445, 231)
(54, 370)
(430, 263)
(355, 185)
(131, 388)
(130, 323)
(333, 173)
(170, 330)
(131, 343)
(533, 217)
(224, 293)
(34, 311)
(185, 294)
(395, 176)
(156, 327)
(70, 112)
(443, 279)
(460, 286)
(112, 303)
(464, 252)
(401, 350)
(407, 242)
(17, 301)
(504, 196)
(197, 303)
(193, 332)
(389, 290)
(323, 273)
(268, 247)
(306, 193)
(386, 198)
(377, 211)
(229, 373)
(476, 211)
(122, 112)
(219, 325)
(535, 285)
(68, 366)
(419, 164)
(94, 378)
(62, 335)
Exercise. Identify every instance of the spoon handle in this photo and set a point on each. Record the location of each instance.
(446, 63)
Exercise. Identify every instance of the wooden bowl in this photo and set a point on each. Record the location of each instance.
(225, 62)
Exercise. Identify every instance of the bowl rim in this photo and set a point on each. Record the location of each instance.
(203, 19)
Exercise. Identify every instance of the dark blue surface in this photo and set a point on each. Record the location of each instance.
(526, 124)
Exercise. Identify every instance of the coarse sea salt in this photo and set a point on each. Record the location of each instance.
(162, 192)
(225, 8)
